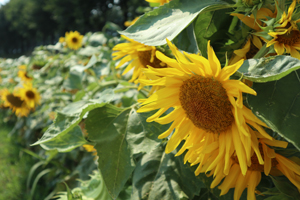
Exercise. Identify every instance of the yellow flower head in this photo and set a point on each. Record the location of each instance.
(129, 23)
(29, 94)
(208, 108)
(22, 67)
(286, 37)
(24, 76)
(73, 40)
(61, 40)
(162, 2)
(273, 163)
(249, 50)
(139, 55)
(14, 102)
(253, 22)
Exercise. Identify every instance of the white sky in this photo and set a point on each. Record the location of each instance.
(3, 1)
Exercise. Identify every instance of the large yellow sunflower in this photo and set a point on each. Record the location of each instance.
(14, 102)
(29, 94)
(139, 55)
(274, 164)
(73, 39)
(162, 2)
(208, 108)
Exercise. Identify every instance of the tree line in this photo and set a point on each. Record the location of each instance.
(26, 24)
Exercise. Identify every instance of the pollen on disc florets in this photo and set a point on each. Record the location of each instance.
(290, 38)
(206, 104)
(74, 39)
(147, 58)
(30, 94)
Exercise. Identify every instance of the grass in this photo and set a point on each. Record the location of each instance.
(14, 166)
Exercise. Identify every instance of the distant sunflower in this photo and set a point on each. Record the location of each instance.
(139, 55)
(29, 94)
(208, 108)
(90, 148)
(22, 67)
(129, 23)
(14, 102)
(73, 40)
(61, 40)
(162, 2)
(24, 75)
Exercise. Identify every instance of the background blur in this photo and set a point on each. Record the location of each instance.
(25, 24)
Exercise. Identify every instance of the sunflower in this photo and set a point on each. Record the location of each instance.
(14, 102)
(73, 40)
(255, 22)
(90, 148)
(286, 36)
(129, 23)
(139, 55)
(29, 94)
(61, 40)
(208, 110)
(252, 46)
(162, 2)
(24, 76)
(274, 164)
(22, 67)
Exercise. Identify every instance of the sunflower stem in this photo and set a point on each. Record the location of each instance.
(262, 52)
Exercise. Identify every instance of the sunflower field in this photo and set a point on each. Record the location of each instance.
(194, 100)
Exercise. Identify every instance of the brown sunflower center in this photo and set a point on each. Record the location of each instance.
(74, 39)
(206, 104)
(30, 94)
(290, 38)
(27, 76)
(14, 100)
(255, 166)
(252, 51)
(145, 59)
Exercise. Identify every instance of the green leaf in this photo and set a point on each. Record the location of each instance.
(286, 187)
(163, 176)
(68, 118)
(169, 20)
(186, 40)
(119, 134)
(66, 142)
(212, 26)
(278, 104)
(93, 189)
(268, 69)
(74, 81)
(80, 68)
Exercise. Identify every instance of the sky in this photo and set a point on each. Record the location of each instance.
(3, 1)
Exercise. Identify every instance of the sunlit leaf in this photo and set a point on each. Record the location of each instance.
(169, 20)
(269, 68)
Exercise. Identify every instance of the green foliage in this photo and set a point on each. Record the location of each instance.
(280, 114)
(120, 134)
(163, 176)
(268, 69)
(93, 189)
(169, 20)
